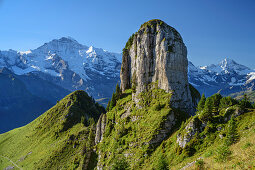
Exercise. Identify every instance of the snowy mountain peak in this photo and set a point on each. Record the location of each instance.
(227, 66)
(64, 45)
(227, 63)
(230, 66)
(66, 40)
(90, 49)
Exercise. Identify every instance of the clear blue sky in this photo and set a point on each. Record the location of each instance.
(212, 30)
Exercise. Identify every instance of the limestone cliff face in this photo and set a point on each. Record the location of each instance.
(156, 53)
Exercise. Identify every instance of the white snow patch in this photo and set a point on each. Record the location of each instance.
(25, 52)
(251, 76)
(52, 72)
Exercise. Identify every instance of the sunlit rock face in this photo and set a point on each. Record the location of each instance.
(156, 53)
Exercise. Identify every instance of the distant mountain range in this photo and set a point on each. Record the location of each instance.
(227, 77)
(48, 73)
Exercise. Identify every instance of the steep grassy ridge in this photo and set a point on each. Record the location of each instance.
(60, 138)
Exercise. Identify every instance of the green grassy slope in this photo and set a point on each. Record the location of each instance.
(61, 138)
(130, 129)
(242, 153)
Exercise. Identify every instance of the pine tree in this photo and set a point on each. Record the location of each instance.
(108, 106)
(120, 163)
(201, 103)
(115, 97)
(118, 92)
(216, 103)
(83, 120)
(245, 102)
(161, 163)
(232, 135)
(113, 101)
(216, 99)
(206, 114)
(226, 102)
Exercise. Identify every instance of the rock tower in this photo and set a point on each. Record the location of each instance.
(156, 53)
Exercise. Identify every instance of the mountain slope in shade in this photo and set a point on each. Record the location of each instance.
(25, 97)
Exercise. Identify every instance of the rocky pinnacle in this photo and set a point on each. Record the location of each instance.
(156, 53)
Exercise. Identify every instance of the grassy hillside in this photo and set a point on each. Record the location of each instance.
(61, 138)
(147, 134)
(133, 137)
(208, 152)
(133, 131)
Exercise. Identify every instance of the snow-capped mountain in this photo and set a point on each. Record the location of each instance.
(69, 64)
(226, 77)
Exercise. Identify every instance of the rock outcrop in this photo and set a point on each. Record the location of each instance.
(156, 53)
(167, 127)
(193, 127)
(100, 128)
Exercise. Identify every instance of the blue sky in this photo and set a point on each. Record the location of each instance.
(212, 30)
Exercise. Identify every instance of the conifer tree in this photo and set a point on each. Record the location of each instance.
(226, 102)
(216, 99)
(201, 103)
(232, 135)
(113, 101)
(108, 105)
(118, 92)
(245, 103)
(216, 103)
(206, 114)
(161, 163)
(120, 163)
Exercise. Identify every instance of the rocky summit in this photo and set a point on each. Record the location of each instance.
(156, 53)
